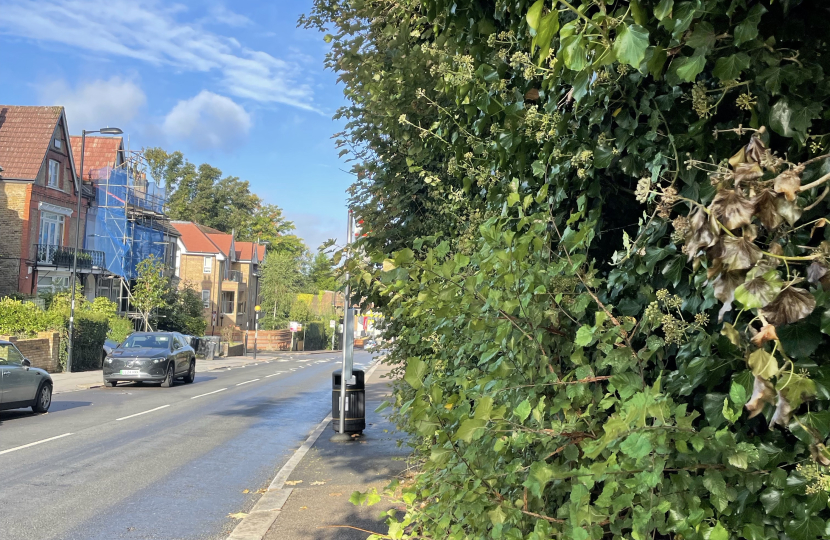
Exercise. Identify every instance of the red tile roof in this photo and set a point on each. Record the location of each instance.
(194, 239)
(245, 251)
(25, 134)
(223, 241)
(99, 153)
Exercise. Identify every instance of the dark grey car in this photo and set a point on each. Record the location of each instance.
(151, 357)
(22, 385)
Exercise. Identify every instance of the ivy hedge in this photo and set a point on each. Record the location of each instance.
(598, 236)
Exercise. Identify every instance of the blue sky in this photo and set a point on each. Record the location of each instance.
(236, 85)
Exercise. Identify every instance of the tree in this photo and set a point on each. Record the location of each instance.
(183, 311)
(321, 274)
(282, 279)
(150, 288)
(598, 237)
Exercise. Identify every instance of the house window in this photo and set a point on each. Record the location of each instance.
(57, 143)
(227, 302)
(206, 298)
(54, 173)
(51, 229)
(207, 264)
(52, 283)
(240, 308)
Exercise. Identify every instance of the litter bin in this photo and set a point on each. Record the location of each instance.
(355, 402)
(210, 350)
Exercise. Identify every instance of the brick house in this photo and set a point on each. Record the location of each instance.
(38, 203)
(100, 154)
(224, 270)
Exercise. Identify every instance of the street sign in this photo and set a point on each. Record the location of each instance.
(295, 326)
(331, 323)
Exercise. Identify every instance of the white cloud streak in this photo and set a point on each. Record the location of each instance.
(154, 32)
(95, 104)
(208, 122)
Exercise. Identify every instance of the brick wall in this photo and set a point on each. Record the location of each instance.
(191, 270)
(42, 352)
(13, 198)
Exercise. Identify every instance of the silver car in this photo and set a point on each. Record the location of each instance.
(151, 357)
(22, 385)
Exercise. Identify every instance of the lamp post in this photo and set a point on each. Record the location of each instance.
(256, 327)
(346, 370)
(74, 276)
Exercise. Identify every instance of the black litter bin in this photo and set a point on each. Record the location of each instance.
(355, 402)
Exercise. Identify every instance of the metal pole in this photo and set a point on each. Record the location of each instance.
(75, 260)
(256, 333)
(345, 329)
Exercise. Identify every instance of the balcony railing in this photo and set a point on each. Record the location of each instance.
(235, 275)
(62, 256)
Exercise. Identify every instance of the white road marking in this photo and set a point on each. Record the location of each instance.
(271, 375)
(246, 382)
(209, 393)
(34, 443)
(139, 414)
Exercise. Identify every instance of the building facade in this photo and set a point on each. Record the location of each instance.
(224, 271)
(38, 204)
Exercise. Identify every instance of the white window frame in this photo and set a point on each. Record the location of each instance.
(60, 227)
(207, 265)
(54, 180)
(206, 298)
(58, 144)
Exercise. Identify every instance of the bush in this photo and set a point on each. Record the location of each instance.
(315, 336)
(90, 332)
(23, 319)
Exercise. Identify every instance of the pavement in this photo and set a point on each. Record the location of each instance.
(318, 488)
(139, 462)
(84, 380)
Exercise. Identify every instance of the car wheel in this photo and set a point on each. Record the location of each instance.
(111, 384)
(168, 380)
(191, 373)
(43, 399)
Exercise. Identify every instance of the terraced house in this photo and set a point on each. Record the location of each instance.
(38, 202)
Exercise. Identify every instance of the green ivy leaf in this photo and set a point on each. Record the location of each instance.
(729, 68)
(416, 369)
(522, 410)
(548, 27)
(663, 9)
(747, 30)
(584, 336)
(737, 393)
(703, 37)
(799, 340)
(572, 51)
(805, 528)
(763, 364)
(469, 429)
(689, 68)
(631, 44)
(789, 116)
(534, 14)
(636, 446)
(718, 533)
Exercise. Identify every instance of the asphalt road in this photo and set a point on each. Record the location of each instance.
(143, 462)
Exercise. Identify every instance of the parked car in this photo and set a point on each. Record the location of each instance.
(151, 357)
(22, 385)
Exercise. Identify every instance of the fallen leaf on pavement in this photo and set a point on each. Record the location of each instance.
(335, 494)
(238, 515)
(245, 491)
(263, 490)
(304, 508)
(317, 483)
(293, 482)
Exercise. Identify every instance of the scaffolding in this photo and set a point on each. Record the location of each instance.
(128, 223)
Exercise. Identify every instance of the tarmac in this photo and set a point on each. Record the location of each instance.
(84, 380)
(309, 499)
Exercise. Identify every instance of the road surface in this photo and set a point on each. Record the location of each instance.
(144, 462)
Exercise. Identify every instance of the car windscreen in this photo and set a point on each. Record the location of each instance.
(150, 342)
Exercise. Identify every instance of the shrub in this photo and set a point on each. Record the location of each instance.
(90, 332)
(315, 336)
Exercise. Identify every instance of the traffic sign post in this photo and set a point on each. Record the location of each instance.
(257, 309)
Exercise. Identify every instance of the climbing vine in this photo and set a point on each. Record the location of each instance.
(599, 238)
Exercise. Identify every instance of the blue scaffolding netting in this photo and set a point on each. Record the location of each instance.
(126, 223)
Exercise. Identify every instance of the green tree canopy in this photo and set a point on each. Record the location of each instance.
(598, 237)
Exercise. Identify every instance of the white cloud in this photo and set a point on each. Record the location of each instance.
(154, 32)
(95, 104)
(208, 122)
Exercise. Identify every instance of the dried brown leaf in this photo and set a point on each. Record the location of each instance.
(724, 288)
(818, 225)
(815, 272)
(766, 211)
(767, 333)
(792, 305)
(746, 172)
(732, 209)
(238, 515)
(783, 413)
(762, 392)
(788, 210)
(532, 94)
(739, 253)
(788, 183)
(703, 232)
(293, 482)
(754, 150)
(738, 158)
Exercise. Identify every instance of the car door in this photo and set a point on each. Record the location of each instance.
(19, 382)
(178, 350)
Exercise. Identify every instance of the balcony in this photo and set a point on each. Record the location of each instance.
(62, 256)
(235, 275)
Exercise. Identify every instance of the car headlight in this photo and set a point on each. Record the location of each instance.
(159, 359)
(108, 360)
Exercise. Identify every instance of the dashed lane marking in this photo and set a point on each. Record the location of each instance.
(246, 382)
(34, 443)
(209, 393)
(139, 414)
